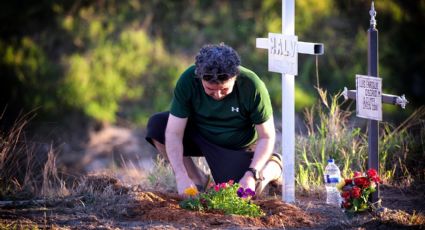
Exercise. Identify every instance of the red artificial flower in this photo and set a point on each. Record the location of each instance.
(376, 179)
(372, 173)
(357, 174)
(346, 195)
(361, 185)
(362, 182)
(346, 205)
(348, 181)
(356, 192)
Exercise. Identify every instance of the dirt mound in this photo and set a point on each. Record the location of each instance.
(140, 209)
(164, 207)
(107, 204)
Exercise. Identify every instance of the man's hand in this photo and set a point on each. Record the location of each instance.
(183, 182)
(174, 148)
(248, 181)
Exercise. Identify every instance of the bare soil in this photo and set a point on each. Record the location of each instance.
(117, 207)
(111, 205)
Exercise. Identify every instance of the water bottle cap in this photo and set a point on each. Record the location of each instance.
(331, 160)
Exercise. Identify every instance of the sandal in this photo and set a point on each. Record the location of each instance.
(273, 185)
(203, 188)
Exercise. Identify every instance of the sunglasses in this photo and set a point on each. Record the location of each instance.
(216, 77)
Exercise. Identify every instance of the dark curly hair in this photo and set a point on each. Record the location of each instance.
(217, 59)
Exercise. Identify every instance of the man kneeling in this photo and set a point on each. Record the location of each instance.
(222, 111)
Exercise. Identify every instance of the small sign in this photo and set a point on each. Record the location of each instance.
(283, 54)
(369, 97)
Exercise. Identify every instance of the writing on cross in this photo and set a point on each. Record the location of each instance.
(283, 52)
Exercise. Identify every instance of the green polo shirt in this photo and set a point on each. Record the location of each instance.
(230, 122)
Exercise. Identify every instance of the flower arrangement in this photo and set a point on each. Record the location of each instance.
(355, 191)
(228, 197)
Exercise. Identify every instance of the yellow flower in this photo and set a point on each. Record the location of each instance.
(191, 191)
(340, 185)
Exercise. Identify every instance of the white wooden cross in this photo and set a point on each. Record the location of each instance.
(283, 52)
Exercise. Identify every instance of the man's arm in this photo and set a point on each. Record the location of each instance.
(174, 147)
(263, 151)
(265, 144)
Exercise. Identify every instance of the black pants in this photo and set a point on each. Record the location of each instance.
(225, 164)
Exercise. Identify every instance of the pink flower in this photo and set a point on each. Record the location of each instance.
(223, 185)
(231, 182)
(217, 187)
(210, 185)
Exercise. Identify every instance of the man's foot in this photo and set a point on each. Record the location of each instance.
(274, 187)
(202, 187)
(272, 174)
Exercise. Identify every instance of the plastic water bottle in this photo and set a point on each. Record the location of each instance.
(332, 178)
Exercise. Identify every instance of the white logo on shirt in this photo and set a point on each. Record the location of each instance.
(235, 109)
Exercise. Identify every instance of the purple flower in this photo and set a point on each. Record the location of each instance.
(244, 193)
(249, 192)
(241, 192)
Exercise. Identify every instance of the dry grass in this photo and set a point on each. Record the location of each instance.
(27, 169)
(402, 218)
(20, 224)
(161, 177)
(99, 186)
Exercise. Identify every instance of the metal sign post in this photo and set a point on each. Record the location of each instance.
(283, 52)
(368, 101)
